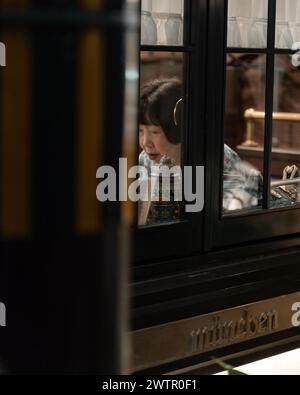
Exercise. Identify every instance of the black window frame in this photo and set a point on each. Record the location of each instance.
(185, 237)
(223, 231)
(240, 262)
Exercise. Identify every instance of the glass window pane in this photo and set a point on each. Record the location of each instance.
(294, 19)
(286, 133)
(162, 22)
(287, 23)
(160, 136)
(247, 23)
(244, 134)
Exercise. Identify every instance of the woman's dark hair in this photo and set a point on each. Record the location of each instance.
(158, 102)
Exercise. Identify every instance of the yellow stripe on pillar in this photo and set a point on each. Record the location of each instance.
(89, 120)
(15, 131)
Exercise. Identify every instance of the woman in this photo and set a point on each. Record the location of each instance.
(160, 121)
(160, 134)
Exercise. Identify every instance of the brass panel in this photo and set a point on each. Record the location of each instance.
(182, 339)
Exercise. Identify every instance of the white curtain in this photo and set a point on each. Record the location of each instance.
(161, 6)
(248, 8)
(298, 11)
(288, 11)
(288, 23)
(247, 24)
(165, 25)
(243, 8)
(147, 5)
(167, 6)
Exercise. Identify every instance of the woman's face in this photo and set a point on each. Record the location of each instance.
(154, 142)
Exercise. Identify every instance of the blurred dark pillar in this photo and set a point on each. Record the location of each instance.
(64, 255)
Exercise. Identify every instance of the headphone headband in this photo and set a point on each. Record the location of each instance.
(175, 111)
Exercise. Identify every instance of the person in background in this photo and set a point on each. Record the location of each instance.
(160, 134)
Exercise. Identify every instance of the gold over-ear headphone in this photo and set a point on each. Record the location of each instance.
(175, 111)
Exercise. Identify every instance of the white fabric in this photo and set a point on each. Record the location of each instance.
(259, 9)
(291, 10)
(161, 6)
(247, 25)
(248, 8)
(147, 5)
(281, 11)
(232, 8)
(167, 6)
(297, 11)
(167, 15)
(286, 31)
(243, 8)
(293, 18)
(288, 11)
(177, 7)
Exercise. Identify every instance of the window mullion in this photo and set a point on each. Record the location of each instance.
(269, 103)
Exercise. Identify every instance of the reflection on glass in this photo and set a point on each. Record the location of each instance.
(244, 139)
(286, 134)
(247, 23)
(160, 137)
(287, 23)
(162, 22)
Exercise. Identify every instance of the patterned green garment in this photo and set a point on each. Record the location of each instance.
(231, 158)
(145, 161)
(242, 183)
(245, 183)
